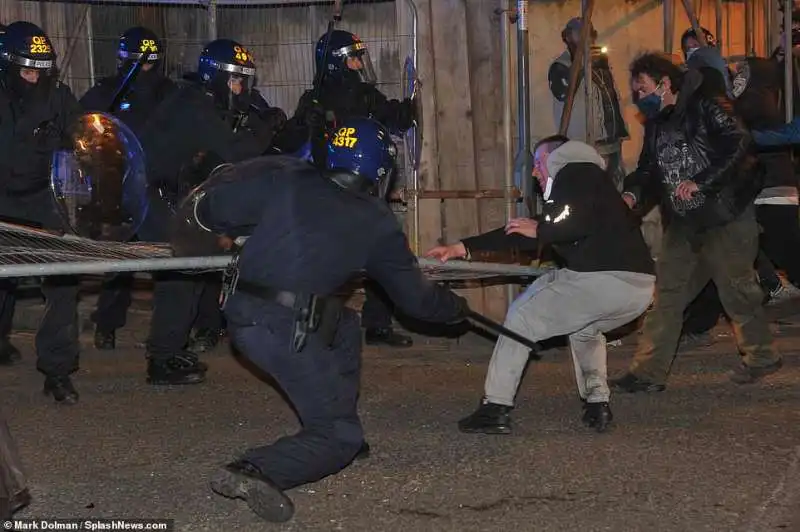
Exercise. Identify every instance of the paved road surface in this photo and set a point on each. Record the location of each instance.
(704, 455)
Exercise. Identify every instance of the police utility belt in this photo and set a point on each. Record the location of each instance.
(312, 314)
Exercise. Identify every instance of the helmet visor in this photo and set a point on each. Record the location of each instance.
(356, 58)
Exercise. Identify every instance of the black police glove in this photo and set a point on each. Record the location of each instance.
(463, 310)
(315, 117)
(189, 237)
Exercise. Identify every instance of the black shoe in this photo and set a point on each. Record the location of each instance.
(205, 340)
(363, 452)
(182, 368)
(630, 383)
(105, 341)
(747, 375)
(9, 354)
(489, 418)
(61, 388)
(387, 336)
(597, 416)
(242, 480)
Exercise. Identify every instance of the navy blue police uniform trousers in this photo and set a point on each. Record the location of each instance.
(321, 381)
(175, 294)
(57, 346)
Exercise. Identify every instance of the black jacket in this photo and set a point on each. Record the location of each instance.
(307, 235)
(699, 139)
(30, 131)
(757, 85)
(340, 101)
(585, 220)
(136, 105)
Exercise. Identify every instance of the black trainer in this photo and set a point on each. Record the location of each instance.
(205, 340)
(181, 368)
(489, 418)
(744, 374)
(243, 480)
(105, 340)
(387, 336)
(597, 416)
(9, 354)
(61, 388)
(630, 383)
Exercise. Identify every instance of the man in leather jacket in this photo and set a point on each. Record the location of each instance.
(696, 163)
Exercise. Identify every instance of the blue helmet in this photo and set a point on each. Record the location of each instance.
(135, 42)
(224, 61)
(25, 45)
(361, 155)
(344, 45)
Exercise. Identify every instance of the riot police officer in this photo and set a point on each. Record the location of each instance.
(254, 124)
(310, 232)
(36, 112)
(133, 106)
(348, 90)
(184, 139)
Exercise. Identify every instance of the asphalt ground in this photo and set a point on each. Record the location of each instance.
(706, 454)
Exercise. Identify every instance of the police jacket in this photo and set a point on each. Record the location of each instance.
(699, 139)
(308, 235)
(139, 102)
(186, 123)
(30, 131)
(585, 220)
(343, 99)
(758, 90)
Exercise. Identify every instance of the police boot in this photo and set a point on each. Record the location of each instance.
(387, 336)
(9, 354)
(243, 480)
(181, 368)
(489, 418)
(205, 340)
(363, 452)
(61, 388)
(597, 416)
(105, 340)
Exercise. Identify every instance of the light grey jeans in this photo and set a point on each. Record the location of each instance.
(582, 305)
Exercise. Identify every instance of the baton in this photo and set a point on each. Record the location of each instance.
(508, 333)
(128, 81)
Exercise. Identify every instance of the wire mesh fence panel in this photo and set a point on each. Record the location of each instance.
(25, 252)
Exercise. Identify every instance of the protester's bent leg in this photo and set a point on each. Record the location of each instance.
(678, 280)
(730, 253)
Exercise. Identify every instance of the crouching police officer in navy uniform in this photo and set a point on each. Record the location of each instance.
(348, 91)
(254, 123)
(36, 112)
(149, 87)
(184, 139)
(310, 231)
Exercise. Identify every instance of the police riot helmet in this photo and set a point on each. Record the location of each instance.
(347, 57)
(137, 41)
(228, 69)
(361, 155)
(25, 45)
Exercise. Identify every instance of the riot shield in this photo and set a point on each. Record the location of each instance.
(100, 184)
(411, 90)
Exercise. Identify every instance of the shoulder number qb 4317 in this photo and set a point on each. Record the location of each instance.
(39, 45)
(345, 137)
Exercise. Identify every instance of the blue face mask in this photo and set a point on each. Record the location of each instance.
(650, 105)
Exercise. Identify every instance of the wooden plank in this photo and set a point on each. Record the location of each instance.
(455, 126)
(485, 56)
(430, 230)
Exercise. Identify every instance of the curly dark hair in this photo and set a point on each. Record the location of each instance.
(657, 66)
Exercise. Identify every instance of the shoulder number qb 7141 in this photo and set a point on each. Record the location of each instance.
(345, 137)
(39, 45)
